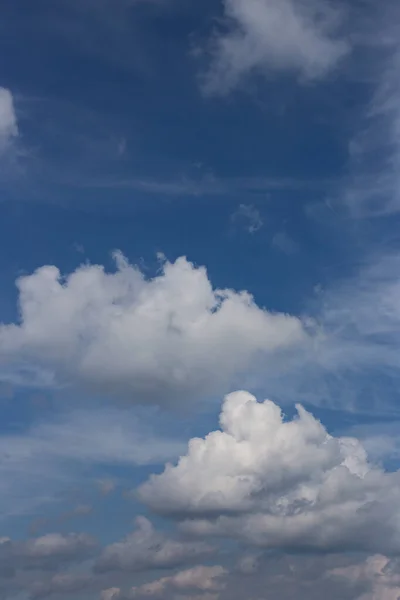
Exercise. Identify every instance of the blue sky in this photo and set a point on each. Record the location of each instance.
(199, 198)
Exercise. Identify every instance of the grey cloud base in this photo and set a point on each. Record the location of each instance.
(145, 549)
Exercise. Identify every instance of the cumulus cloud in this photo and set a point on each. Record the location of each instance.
(379, 573)
(146, 548)
(46, 552)
(261, 36)
(8, 118)
(285, 577)
(201, 578)
(165, 340)
(61, 583)
(279, 483)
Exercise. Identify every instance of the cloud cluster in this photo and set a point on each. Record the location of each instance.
(380, 574)
(165, 340)
(200, 578)
(279, 484)
(44, 553)
(261, 36)
(284, 576)
(146, 548)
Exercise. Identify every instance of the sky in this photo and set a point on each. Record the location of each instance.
(200, 300)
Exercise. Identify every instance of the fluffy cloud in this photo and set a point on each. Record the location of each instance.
(32, 565)
(8, 118)
(197, 578)
(45, 552)
(286, 577)
(167, 339)
(379, 573)
(282, 35)
(204, 579)
(145, 548)
(279, 484)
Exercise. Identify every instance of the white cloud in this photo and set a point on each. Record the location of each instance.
(145, 548)
(380, 573)
(165, 340)
(8, 118)
(261, 36)
(279, 484)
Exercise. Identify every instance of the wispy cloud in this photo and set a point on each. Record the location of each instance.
(48, 457)
(283, 242)
(8, 119)
(249, 217)
(352, 361)
(374, 151)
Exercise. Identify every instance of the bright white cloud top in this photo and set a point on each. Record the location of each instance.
(279, 484)
(164, 340)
